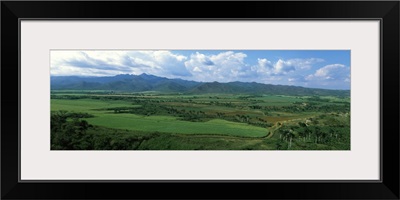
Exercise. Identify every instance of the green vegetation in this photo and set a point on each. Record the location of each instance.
(103, 120)
(125, 83)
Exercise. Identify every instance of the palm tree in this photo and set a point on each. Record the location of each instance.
(288, 135)
(303, 134)
(291, 136)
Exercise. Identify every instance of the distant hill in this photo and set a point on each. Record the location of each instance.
(146, 82)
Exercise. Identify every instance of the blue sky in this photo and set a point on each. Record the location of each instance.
(328, 69)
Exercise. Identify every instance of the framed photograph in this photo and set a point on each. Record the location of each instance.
(301, 98)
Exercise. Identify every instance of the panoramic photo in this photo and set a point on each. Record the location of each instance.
(200, 99)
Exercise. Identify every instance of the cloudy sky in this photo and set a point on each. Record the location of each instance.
(317, 69)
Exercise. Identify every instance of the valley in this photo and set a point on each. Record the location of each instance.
(204, 116)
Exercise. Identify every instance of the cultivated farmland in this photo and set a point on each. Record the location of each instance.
(103, 119)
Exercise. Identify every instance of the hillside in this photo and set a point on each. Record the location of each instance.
(146, 82)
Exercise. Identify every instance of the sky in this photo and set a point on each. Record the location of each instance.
(329, 69)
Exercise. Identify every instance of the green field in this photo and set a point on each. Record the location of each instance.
(157, 121)
(153, 123)
(172, 125)
(85, 105)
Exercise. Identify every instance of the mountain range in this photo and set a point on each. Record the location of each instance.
(146, 82)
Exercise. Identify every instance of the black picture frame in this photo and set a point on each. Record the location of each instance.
(386, 11)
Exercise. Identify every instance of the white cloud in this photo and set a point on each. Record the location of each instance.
(348, 78)
(196, 69)
(264, 66)
(226, 66)
(230, 66)
(283, 67)
(100, 63)
(164, 63)
(262, 62)
(286, 66)
(327, 70)
(305, 63)
(330, 72)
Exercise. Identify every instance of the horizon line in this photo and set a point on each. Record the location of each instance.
(51, 75)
